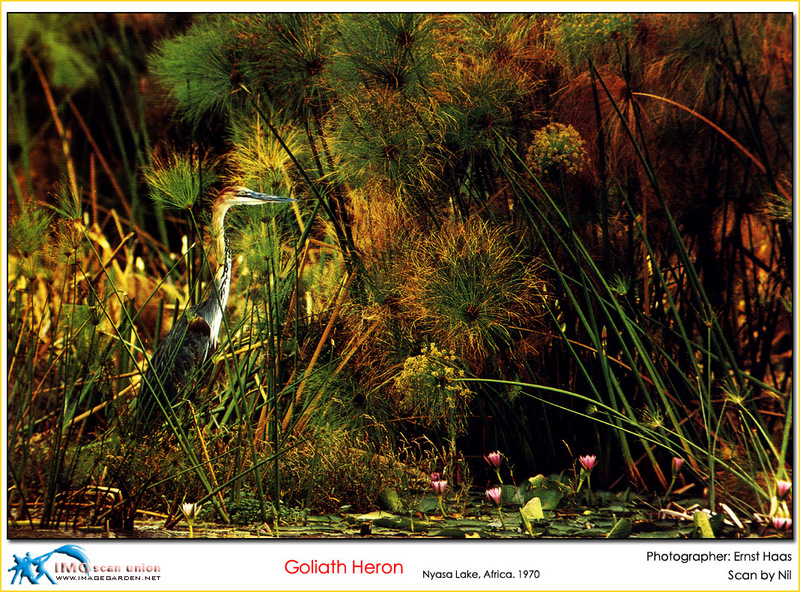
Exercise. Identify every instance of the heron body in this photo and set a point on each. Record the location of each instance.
(194, 335)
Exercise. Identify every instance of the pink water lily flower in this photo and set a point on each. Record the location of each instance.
(588, 461)
(782, 523)
(439, 488)
(493, 458)
(677, 463)
(783, 488)
(494, 494)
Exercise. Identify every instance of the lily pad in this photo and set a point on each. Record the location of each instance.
(703, 525)
(549, 491)
(622, 529)
(425, 504)
(389, 499)
(379, 514)
(532, 510)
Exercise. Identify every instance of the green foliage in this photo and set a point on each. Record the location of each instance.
(259, 235)
(587, 35)
(470, 291)
(68, 203)
(636, 308)
(248, 511)
(281, 58)
(657, 370)
(56, 37)
(382, 139)
(177, 181)
(390, 52)
(557, 147)
(430, 389)
(259, 161)
(477, 101)
(28, 232)
(204, 69)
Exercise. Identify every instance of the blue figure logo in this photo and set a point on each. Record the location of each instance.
(33, 567)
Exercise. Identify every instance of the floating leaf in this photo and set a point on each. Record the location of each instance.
(452, 533)
(533, 510)
(703, 525)
(375, 515)
(389, 499)
(549, 491)
(622, 529)
(428, 503)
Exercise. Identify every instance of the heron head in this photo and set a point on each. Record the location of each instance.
(236, 196)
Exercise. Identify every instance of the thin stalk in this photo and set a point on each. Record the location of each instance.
(167, 411)
(62, 134)
(697, 292)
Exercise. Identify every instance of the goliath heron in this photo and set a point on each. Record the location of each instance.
(186, 346)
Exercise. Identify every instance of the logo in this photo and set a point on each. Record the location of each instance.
(33, 567)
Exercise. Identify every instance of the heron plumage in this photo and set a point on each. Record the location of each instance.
(195, 334)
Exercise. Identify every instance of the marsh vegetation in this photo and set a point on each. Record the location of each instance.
(553, 236)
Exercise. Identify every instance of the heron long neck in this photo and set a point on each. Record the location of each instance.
(222, 279)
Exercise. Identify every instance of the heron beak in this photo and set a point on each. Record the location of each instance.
(267, 198)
